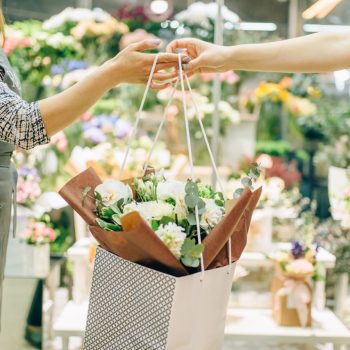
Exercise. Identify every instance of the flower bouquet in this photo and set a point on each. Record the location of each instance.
(292, 287)
(163, 271)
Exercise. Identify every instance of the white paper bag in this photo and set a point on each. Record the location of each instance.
(136, 308)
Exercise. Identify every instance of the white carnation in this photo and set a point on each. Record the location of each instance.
(173, 237)
(212, 215)
(111, 191)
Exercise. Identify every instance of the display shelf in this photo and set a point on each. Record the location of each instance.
(257, 325)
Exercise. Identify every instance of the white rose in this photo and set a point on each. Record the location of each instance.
(212, 215)
(173, 237)
(171, 189)
(112, 191)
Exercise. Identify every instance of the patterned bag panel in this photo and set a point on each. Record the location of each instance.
(130, 306)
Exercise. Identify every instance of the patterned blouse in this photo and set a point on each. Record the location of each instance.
(21, 123)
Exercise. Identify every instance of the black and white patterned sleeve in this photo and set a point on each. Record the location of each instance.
(21, 123)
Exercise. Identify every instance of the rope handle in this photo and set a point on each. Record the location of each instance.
(182, 77)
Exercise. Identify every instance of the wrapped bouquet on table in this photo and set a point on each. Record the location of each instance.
(292, 286)
(164, 267)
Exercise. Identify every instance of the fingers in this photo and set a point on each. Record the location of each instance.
(155, 86)
(195, 64)
(180, 44)
(172, 58)
(192, 46)
(146, 45)
(165, 76)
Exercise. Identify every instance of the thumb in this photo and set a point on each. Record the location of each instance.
(195, 64)
(147, 45)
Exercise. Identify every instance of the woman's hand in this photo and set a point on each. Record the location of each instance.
(133, 66)
(205, 57)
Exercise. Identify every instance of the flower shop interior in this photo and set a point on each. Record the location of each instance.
(286, 133)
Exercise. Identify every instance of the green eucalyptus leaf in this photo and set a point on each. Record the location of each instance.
(191, 200)
(238, 193)
(247, 182)
(191, 188)
(120, 203)
(191, 218)
(201, 203)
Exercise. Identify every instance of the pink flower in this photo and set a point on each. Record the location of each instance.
(300, 266)
(229, 77)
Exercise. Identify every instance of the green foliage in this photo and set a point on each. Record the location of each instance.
(249, 180)
(191, 253)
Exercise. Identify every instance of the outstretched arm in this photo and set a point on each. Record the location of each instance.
(30, 124)
(316, 53)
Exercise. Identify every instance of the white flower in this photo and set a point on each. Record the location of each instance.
(181, 209)
(152, 210)
(76, 15)
(173, 237)
(212, 215)
(199, 12)
(112, 191)
(171, 189)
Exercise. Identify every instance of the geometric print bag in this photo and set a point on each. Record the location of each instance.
(133, 307)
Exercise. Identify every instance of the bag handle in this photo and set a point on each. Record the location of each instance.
(138, 117)
(212, 159)
(182, 77)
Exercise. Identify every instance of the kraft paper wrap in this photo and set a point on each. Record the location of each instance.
(239, 231)
(298, 312)
(139, 243)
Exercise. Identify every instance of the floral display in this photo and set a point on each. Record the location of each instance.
(299, 261)
(167, 206)
(28, 188)
(38, 233)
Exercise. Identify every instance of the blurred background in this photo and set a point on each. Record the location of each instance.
(296, 126)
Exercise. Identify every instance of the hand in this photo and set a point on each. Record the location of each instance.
(133, 66)
(205, 57)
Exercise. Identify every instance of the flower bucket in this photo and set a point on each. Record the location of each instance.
(25, 260)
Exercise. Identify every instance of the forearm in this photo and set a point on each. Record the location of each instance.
(315, 53)
(60, 110)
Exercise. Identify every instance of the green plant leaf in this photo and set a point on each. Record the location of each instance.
(165, 220)
(191, 218)
(247, 182)
(191, 200)
(238, 193)
(107, 226)
(155, 225)
(191, 188)
(191, 253)
(107, 212)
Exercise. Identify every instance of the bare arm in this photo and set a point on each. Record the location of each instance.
(129, 66)
(314, 53)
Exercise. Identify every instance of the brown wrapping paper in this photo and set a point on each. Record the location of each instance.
(283, 313)
(138, 243)
(239, 234)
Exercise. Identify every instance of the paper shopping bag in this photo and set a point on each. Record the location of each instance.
(133, 307)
